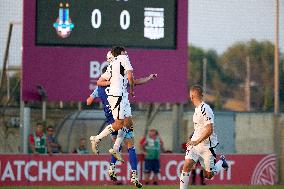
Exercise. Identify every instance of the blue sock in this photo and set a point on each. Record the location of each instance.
(113, 159)
(132, 158)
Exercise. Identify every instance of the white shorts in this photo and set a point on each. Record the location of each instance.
(120, 107)
(203, 154)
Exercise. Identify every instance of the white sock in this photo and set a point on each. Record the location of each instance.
(217, 167)
(107, 130)
(184, 179)
(120, 136)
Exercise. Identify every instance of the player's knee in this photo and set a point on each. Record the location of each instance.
(128, 122)
(186, 167)
(208, 175)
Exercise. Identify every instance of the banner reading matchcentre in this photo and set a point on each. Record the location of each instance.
(65, 43)
(93, 170)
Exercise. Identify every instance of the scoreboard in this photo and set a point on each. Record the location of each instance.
(104, 23)
(65, 43)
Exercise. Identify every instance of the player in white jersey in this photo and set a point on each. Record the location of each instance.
(117, 76)
(201, 146)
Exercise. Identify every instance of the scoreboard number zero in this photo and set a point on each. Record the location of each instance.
(97, 19)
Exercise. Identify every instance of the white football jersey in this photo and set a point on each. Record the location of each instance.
(203, 115)
(116, 74)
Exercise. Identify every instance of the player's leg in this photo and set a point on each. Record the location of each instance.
(129, 141)
(184, 177)
(127, 122)
(210, 166)
(115, 151)
(111, 170)
(191, 157)
(122, 132)
(115, 105)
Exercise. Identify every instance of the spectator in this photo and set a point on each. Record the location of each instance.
(82, 147)
(152, 145)
(38, 142)
(54, 145)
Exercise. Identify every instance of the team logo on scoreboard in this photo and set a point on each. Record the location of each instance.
(63, 24)
(154, 23)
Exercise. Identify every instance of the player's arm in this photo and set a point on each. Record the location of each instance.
(208, 118)
(91, 98)
(144, 80)
(130, 78)
(103, 82)
(208, 130)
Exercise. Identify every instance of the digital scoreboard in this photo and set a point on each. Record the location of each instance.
(105, 23)
(65, 43)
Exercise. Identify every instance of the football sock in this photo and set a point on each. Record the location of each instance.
(107, 130)
(132, 158)
(184, 179)
(113, 159)
(120, 136)
(217, 167)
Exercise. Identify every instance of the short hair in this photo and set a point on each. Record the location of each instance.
(49, 127)
(116, 51)
(39, 124)
(198, 90)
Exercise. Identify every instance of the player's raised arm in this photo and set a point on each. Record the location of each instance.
(103, 82)
(144, 80)
(130, 78)
(91, 98)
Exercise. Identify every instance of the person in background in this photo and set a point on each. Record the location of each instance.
(152, 145)
(82, 149)
(38, 141)
(53, 143)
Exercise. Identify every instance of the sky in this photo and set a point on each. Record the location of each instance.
(217, 24)
(212, 24)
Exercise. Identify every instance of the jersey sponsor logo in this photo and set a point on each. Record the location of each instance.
(63, 24)
(265, 171)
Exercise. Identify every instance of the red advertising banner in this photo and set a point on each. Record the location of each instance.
(93, 170)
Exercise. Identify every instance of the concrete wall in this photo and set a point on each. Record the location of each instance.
(254, 133)
(246, 132)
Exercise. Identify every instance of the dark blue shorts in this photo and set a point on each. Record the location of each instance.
(152, 165)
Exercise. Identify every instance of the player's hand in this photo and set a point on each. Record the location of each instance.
(90, 100)
(153, 76)
(191, 143)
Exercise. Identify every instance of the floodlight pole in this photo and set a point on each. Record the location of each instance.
(276, 59)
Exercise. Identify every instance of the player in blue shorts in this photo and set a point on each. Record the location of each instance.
(127, 134)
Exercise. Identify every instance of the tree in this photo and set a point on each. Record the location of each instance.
(261, 55)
